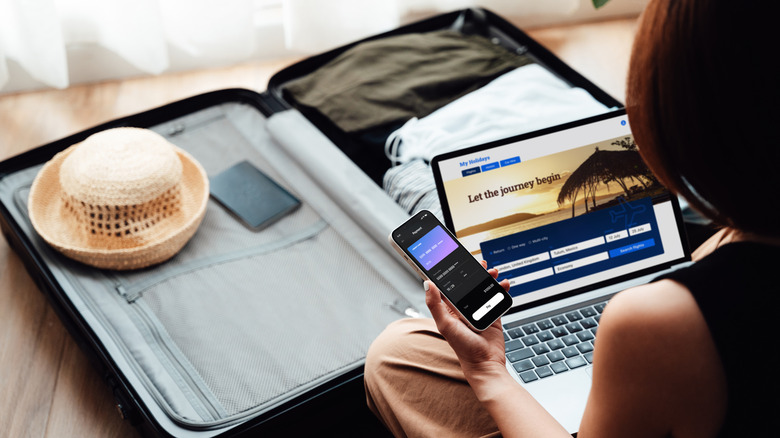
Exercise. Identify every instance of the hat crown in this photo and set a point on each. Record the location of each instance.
(120, 167)
(122, 187)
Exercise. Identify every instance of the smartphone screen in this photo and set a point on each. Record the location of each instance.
(437, 255)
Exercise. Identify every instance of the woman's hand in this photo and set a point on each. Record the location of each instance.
(481, 356)
(478, 353)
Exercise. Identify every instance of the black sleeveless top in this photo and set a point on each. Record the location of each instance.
(737, 289)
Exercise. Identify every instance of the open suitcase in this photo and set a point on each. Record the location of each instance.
(243, 326)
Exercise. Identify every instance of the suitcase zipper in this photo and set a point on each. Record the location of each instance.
(202, 399)
(135, 291)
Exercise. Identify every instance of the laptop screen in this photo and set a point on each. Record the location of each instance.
(563, 210)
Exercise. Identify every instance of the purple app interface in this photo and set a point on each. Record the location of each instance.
(432, 248)
(451, 267)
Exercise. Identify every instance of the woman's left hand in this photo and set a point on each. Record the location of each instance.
(478, 352)
(482, 359)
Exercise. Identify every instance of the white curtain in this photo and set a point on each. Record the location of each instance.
(50, 41)
(55, 43)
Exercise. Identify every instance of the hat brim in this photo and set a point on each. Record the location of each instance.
(47, 213)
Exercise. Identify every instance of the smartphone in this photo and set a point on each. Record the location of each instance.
(426, 244)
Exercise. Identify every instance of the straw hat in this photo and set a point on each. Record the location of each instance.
(124, 198)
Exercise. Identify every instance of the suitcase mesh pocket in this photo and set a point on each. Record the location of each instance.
(248, 345)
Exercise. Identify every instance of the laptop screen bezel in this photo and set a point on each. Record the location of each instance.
(616, 114)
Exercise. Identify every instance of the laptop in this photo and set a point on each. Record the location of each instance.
(570, 215)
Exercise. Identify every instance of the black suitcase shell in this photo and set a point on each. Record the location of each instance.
(320, 410)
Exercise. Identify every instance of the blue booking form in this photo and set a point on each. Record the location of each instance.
(576, 247)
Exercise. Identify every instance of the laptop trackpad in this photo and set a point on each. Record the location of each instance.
(564, 396)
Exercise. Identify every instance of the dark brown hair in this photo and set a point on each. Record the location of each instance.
(702, 99)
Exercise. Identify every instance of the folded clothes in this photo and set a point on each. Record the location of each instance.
(526, 99)
(523, 100)
(412, 187)
(396, 78)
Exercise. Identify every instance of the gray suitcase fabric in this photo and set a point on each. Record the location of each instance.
(240, 320)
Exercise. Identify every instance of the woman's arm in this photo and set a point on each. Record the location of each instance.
(656, 371)
(482, 359)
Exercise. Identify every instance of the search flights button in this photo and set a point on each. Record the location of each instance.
(628, 249)
(482, 311)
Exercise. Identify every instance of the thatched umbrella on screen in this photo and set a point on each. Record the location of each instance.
(604, 167)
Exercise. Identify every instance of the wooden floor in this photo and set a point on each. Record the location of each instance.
(47, 387)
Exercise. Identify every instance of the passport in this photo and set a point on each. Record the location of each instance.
(251, 195)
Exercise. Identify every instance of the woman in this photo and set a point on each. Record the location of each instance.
(682, 355)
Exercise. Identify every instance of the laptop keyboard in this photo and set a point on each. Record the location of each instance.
(552, 345)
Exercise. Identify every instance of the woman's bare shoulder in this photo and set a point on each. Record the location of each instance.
(655, 365)
(658, 303)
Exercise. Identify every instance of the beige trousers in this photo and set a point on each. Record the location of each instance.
(414, 384)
